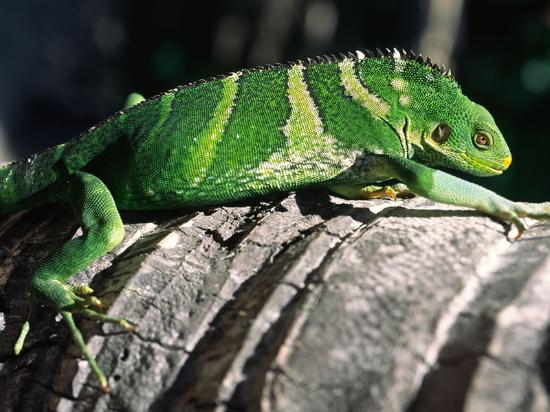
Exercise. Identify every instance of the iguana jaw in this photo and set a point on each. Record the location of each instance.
(491, 168)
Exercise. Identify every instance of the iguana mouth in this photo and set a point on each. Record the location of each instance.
(484, 165)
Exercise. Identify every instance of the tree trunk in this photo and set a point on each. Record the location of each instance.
(299, 303)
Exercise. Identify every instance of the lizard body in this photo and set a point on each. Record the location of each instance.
(348, 123)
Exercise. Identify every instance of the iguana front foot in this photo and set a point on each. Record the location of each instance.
(539, 211)
(371, 192)
(377, 192)
(512, 212)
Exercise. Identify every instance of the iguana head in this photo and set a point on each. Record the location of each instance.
(446, 128)
(429, 112)
(465, 138)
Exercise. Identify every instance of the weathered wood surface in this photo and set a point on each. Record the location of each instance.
(300, 303)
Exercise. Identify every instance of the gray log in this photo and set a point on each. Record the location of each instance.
(299, 303)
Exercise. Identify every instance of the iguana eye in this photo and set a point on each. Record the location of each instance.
(441, 133)
(482, 141)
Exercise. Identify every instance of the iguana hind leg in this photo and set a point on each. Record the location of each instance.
(102, 228)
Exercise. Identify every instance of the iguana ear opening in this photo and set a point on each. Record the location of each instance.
(441, 133)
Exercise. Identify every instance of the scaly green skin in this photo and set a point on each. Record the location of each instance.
(348, 124)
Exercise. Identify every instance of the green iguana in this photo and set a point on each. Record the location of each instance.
(352, 124)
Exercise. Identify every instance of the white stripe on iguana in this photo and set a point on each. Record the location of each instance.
(308, 145)
(404, 100)
(304, 124)
(399, 84)
(353, 88)
(204, 148)
(164, 111)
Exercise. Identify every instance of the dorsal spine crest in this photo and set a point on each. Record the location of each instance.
(359, 55)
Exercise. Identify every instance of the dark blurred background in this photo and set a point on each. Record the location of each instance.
(67, 64)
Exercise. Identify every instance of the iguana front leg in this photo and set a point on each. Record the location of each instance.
(445, 188)
(102, 228)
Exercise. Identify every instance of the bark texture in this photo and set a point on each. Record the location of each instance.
(298, 303)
